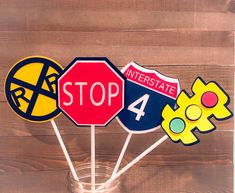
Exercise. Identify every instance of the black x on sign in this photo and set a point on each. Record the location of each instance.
(30, 88)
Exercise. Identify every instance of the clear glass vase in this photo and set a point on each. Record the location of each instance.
(103, 173)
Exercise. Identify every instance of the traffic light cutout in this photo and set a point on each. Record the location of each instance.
(209, 100)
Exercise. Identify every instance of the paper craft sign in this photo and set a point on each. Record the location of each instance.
(209, 100)
(30, 88)
(91, 91)
(147, 93)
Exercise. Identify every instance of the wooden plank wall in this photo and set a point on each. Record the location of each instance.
(180, 38)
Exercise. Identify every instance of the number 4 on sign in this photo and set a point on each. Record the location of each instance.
(139, 112)
(144, 102)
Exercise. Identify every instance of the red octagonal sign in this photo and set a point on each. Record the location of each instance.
(91, 91)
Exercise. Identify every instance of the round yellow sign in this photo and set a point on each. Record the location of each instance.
(31, 88)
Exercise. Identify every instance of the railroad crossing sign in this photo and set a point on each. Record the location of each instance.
(91, 91)
(30, 88)
(147, 93)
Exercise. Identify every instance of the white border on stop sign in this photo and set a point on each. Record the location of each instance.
(95, 60)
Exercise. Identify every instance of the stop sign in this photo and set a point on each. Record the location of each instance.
(91, 91)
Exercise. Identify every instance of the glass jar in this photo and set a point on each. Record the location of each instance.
(103, 173)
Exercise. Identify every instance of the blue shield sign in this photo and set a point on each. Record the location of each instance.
(147, 93)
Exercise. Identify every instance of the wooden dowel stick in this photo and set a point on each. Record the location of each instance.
(93, 158)
(124, 151)
(60, 140)
(122, 154)
(133, 162)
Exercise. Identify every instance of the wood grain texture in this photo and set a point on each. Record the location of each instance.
(170, 38)
(179, 38)
(222, 74)
(15, 126)
(180, 179)
(122, 55)
(149, 5)
(160, 48)
(53, 19)
(18, 154)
